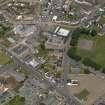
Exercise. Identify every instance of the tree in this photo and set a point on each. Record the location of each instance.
(93, 32)
(42, 46)
(3, 30)
(71, 54)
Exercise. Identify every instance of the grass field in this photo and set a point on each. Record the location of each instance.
(16, 101)
(4, 59)
(97, 53)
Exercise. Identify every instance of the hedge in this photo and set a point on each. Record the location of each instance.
(91, 63)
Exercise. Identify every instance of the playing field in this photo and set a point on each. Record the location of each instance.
(96, 50)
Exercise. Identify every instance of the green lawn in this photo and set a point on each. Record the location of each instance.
(4, 59)
(97, 53)
(83, 94)
(17, 100)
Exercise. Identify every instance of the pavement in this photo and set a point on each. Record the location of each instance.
(66, 61)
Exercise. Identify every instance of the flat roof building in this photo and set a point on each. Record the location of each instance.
(63, 32)
(59, 31)
(55, 43)
(32, 61)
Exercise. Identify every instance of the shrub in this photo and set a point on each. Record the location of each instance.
(86, 71)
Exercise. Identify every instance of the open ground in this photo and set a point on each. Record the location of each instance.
(95, 85)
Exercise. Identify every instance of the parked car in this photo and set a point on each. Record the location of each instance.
(73, 82)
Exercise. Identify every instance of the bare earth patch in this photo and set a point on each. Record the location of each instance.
(85, 44)
(94, 84)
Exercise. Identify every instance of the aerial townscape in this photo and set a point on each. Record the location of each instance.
(52, 52)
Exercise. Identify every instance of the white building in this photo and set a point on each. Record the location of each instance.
(61, 32)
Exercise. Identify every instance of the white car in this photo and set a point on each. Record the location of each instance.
(73, 83)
